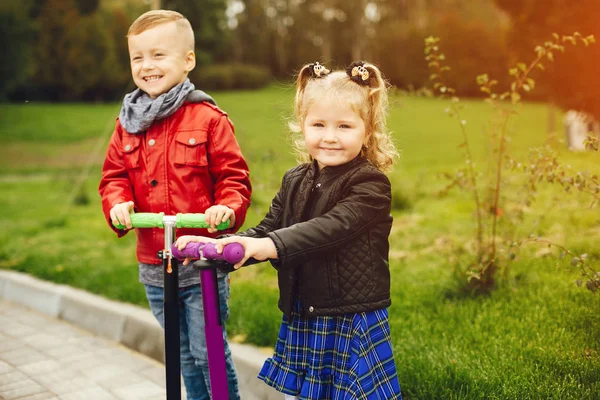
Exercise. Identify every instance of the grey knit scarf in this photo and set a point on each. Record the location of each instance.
(139, 111)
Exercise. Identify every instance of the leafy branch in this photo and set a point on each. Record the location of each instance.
(435, 60)
(582, 261)
(545, 166)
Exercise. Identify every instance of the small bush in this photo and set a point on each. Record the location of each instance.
(400, 200)
(230, 77)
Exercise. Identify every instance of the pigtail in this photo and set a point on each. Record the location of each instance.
(303, 77)
(379, 147)
(306, 74)
(313, 70)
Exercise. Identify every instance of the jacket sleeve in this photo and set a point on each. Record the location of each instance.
(229, 170)
(114, 185)
(271, 221)
(367, 202)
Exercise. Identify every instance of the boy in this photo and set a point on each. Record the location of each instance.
(174, 151)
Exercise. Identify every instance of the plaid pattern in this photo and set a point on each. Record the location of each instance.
(346, 357)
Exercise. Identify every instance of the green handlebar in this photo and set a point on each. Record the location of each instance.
(144, 220)
(155, 220)
(196, 221)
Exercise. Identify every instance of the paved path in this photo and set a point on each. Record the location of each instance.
(58, 342)
(45, 358)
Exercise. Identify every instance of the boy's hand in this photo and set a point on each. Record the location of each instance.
(260, 249)
(216, 214)
(119, 214)
(182, 241)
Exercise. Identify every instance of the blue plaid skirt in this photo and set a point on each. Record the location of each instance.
(346, 357)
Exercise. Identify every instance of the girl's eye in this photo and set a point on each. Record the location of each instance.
(318, 124)
(137, 58)
(158, 55)
(344, 126)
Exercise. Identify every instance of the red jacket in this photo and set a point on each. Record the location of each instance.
(184, 163)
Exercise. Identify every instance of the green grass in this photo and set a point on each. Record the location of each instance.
(64, 123)
(537, 336)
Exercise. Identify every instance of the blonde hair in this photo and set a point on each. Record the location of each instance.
(154, 18)
(369, 99)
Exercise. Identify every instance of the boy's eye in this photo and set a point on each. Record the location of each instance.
(137, 58)
(158, 55)
(318, 124)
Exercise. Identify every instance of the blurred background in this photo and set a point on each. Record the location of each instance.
(534, 333)
(73, 50)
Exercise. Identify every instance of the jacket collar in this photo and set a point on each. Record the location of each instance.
(336, 170)
(327, 174)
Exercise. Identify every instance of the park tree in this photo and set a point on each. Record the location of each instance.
(56, 21)
(267, 33)
(91, 60)
(16, 33)
(473, 34)
(210, 26)
(352, 29)
(76, 57)
(84, 7)
(570, 82)
(287, 34)
(252, 36)
(116, 22)
(87, 7)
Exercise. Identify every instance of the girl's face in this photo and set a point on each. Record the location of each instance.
(334, 133)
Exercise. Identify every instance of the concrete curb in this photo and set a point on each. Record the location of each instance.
(129, 325)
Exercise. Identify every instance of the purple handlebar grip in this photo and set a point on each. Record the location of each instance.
(232, 252)
(192, 250)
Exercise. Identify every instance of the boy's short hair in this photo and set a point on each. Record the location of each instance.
(154, 18)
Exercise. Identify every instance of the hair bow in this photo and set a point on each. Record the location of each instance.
(358, 73)
(317, 70)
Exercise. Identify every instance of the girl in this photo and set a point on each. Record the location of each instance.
(326, 233)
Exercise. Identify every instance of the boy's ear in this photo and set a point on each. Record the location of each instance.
(190, 61)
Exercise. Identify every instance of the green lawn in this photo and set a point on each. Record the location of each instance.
(537, 336)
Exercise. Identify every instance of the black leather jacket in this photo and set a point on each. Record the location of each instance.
(331, 231)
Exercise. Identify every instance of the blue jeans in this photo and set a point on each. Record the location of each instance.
(194, 360)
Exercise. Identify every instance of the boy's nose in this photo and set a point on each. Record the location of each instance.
(147, 64)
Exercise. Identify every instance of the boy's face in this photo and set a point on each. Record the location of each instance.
(159, 59)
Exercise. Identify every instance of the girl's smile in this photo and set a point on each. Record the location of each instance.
(333, 132)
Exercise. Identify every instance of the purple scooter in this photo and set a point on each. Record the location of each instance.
(232, 253)
(215, 345)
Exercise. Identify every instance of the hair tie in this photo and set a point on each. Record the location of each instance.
(317, 70)
(358, 73)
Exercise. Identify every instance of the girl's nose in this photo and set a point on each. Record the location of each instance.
(330, 136)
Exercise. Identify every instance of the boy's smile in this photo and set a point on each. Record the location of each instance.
(160, 59)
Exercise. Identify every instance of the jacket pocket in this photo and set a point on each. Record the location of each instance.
(131, 151)
(190, 148)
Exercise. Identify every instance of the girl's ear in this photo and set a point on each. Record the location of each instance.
(190, 61)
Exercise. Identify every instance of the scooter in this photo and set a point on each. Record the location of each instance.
(209, 261)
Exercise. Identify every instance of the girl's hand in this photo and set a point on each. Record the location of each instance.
(216, 214)
(260, 249)
(183, 241)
